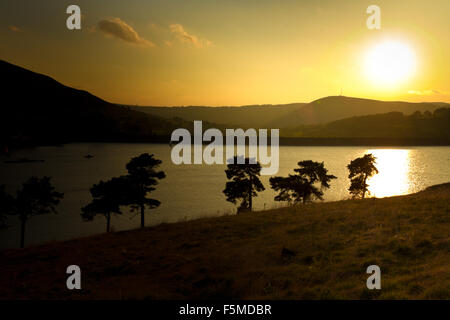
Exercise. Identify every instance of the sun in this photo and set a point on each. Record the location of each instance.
(390, 63)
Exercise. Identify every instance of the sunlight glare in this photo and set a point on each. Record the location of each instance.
(393, 177)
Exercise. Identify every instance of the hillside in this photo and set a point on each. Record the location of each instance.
(281, 116)
(317, 251)
(37, 109)
(257, 116)
(334, 108)
(386, 125)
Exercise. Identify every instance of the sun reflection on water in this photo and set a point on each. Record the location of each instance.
(393, 177)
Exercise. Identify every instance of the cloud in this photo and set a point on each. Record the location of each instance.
(14, 28)
(184, 37)
(424, 92)
(115, 27)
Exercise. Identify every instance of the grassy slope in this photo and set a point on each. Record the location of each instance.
(240, 256)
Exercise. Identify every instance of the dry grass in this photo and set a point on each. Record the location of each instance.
(327, 249)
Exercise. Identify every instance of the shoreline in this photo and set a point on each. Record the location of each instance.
(283, 141)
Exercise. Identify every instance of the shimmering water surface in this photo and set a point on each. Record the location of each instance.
(194, 191)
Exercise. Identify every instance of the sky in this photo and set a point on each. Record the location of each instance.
(232, 52)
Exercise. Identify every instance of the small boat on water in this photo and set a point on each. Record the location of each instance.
(88, 156)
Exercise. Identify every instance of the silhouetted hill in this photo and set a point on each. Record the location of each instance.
(288, 115)
(255, 116)
(339, 107)
(37, 109)
(387, 125)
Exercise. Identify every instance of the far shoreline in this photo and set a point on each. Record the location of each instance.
(284, 141)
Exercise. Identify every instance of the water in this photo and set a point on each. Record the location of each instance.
(194, 191)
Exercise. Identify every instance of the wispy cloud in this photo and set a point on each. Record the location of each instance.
(115, 27)
(424, 92)
(14, 28)
(184, 37)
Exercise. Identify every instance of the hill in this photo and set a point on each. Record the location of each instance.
(314, 251)
(255, 116)
(334, 108)
(37, 109)
(320, 111)
(387, 125)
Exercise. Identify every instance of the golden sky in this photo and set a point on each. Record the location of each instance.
(230, 52)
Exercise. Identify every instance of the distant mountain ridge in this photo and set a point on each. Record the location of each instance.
(340, 107)
(244, 116)
(36, 109)
(288, 115)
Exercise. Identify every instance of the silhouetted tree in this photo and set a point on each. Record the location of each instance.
(310, 181)
(245, 182)
(360, 170)
(427, 114)
(142, 177)
(36, 197)
(107, 198)
(443, 113)
(5, 206)
(417, 115)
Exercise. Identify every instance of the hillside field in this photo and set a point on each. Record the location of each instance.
(313, 251)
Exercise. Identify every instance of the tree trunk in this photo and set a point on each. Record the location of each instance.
(364, 186)
(142, 216)
(108, 221)
(22, 233)
(250, 194)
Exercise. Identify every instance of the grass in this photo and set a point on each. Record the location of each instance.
(314, 251)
